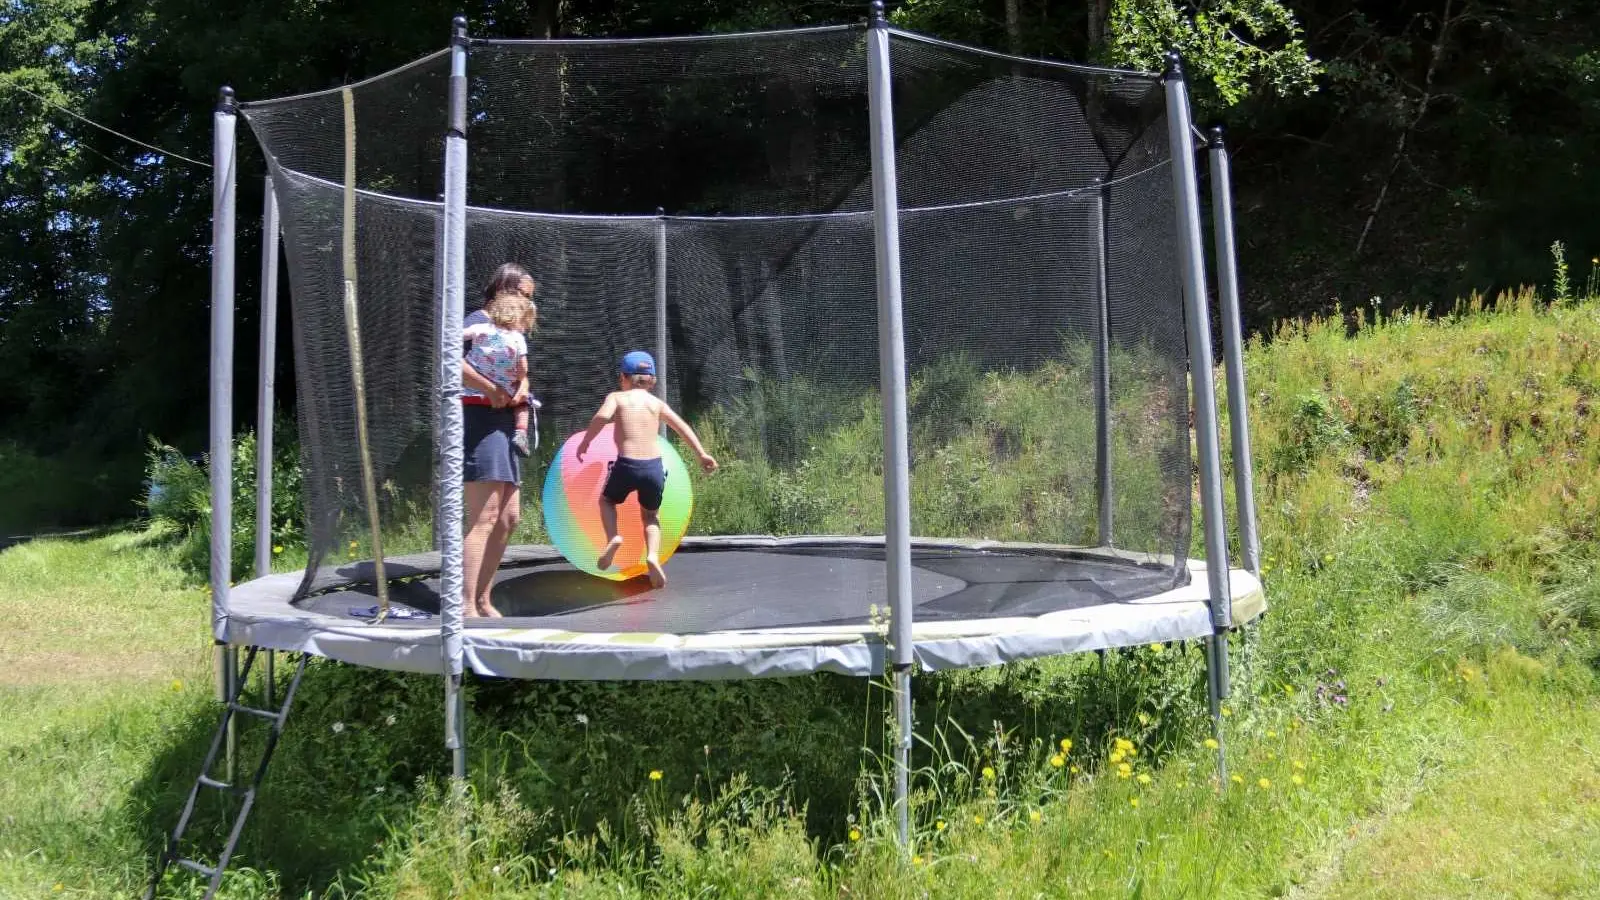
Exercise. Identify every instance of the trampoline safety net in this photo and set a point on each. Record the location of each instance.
(1043, 321)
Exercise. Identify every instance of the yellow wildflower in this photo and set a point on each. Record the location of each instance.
(1299, 765)
(1263, 783)
(988, 773)
(176, 685)
(1296, 780)
(977, 820)
(1058, 760)
(1066, 745)
(1271, 734)
(1123, 744)
(1034, 816)
(939, 825)
(1144, 778)
(1133, 802)
(1117, 756)
(1211, 744)
(916, 860)
(1125, 770)
(655, 774)
(1074, 770)
(855, 833)
(1157, 649)
(277, 548)
(1132, 753)
(1227, 711)
(1236, 780)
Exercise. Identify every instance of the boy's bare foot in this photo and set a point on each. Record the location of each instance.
(610, 552)
(487, 610)
(658, 578)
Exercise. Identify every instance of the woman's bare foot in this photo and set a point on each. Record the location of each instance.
(610, 552)
(658, 578)
(487, 610)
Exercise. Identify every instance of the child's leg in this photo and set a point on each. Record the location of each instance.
(652, 547)
(519, 434)
(608, 519)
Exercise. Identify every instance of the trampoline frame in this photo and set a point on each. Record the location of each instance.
(901, 651)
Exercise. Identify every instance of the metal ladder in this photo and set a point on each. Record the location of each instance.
(170, 856)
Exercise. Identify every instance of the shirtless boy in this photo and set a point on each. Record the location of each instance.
(638, 415)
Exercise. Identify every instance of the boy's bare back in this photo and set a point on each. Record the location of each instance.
(637, 420)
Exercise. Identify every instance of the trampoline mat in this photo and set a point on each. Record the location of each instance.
(711, 590)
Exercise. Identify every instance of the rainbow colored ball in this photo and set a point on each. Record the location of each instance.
(572, 508)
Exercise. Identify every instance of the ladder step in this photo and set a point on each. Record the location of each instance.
(198, 868)
(251, 710)
(208, 781)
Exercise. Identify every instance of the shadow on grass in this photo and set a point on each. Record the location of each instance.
(360, 743)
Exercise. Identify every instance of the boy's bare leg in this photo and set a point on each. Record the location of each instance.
(652, 547)
(608, 519)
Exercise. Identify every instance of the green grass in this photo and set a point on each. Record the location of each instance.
(1428, 492)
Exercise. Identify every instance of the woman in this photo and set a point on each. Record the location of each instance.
(493, 470)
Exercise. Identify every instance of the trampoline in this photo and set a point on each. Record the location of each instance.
(746, 607)
(942, 312)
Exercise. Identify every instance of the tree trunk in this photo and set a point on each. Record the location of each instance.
(1446, 21)
(1099, 12)
(1014, 26)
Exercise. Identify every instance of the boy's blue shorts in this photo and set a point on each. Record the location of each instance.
(647, 476)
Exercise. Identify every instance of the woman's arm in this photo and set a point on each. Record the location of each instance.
(476, 380)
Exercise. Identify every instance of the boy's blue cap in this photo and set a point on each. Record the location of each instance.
(638, 362)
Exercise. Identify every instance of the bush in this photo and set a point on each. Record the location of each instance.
(178, 494)
(63, 492)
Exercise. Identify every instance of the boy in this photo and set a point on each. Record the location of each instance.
(638, 415)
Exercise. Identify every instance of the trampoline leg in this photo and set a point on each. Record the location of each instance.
(1216, 692)
(902, 754)
(227, 681)
(455, 725)
(270, 674)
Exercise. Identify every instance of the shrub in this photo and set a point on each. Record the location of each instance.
(178, 494)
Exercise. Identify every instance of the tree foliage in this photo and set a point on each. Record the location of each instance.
(1409, 149)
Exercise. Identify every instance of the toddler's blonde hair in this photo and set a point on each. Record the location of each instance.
(512, 311)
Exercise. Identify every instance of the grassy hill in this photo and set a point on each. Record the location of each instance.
(1417, 717)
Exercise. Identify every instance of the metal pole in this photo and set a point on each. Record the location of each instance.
(438, 312)
(453, 263)
(1198, 322)
(223, 205)
(1244, 491)
(892, 375)
(661, 306)
(267, 363)
(1102, 372)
